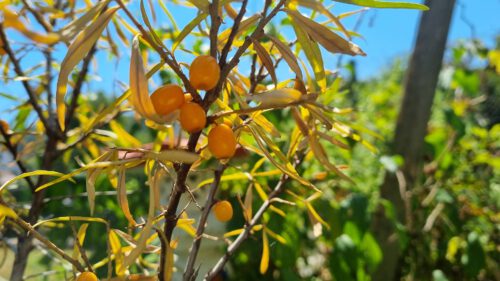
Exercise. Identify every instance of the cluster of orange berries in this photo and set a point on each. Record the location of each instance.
(204, 74)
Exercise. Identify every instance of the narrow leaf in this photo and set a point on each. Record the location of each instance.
(313, 54)
(264, 261)
(277, 97)
(385, 4)
(122, 196)
(188, 28)
(30, 174)
(76, 52)
(266, 59)
(288, 55)
(324, 36)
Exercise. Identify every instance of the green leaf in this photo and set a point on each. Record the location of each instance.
(384, 4)
(313, 54)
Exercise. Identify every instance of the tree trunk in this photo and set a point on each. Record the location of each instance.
(420, 86)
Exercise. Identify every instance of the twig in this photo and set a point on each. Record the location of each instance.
(79, 84)
(13, 151)
(166, 56)
(257, 108)
(31, 231)
(39, 18)
(189, 272)
(233, 247)
(214, 27)
(232, 35)
(80, 248)
(17, 68)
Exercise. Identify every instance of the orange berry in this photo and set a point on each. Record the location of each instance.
(168, 98)
(4, 125)
(222, 142)
(223, 211)
(204, 73)
(193, 117)
(86, 276)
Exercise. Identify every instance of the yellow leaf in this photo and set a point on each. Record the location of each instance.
(76, 52)
(244, 25)
(122, 196)
(92, 175)
(288, 55)
(276, 236)
(71, 218)
(313, 55)
(30, 174)
(266, 59)
(80, 238)
(277, 97)
(70, 30)
(173, 155)
(188, 28)
(318, 6)
(124, 138)
(264, 261)
(116, 249)
(139, 95)
(324, 36)
(6, 212)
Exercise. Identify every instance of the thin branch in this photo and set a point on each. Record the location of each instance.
(189, 272)
(233, 247)
(39, 18)
(31, 231)
(232, 35)
(305, 99)
(17, 68)
(166, 56)
(77, 90)
(214, 27)
(13, 151)
(80, 248)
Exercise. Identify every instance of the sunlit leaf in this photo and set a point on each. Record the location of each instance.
(76, 52)
(324, 36)
(288, 56)
(385, 4)
(266, 59)
(313, 54)
(318, 6)
(264, 261)
(277, 97)
(188, 28)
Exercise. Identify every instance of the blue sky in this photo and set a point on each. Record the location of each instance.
(387, 33)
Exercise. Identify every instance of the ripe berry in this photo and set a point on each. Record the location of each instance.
(222, 142)
(223, 211)
(193, 117)
(86, 276)
(204, 73)
(167, 99)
